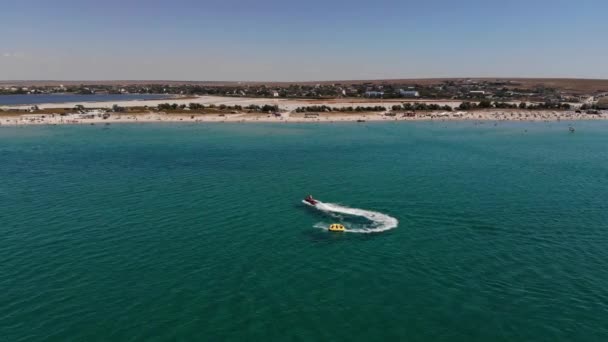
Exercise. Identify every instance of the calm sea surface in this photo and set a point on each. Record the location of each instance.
(14, 100)
(196, 232)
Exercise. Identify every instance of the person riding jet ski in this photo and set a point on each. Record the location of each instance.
(311, 200)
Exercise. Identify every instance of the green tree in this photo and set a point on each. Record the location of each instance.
(116, 108)
(465, 106)
(270, 108)
(195, 106)
(485, 104)
(421, 106)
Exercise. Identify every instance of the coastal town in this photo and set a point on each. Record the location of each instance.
(454, 99)
(530, 90)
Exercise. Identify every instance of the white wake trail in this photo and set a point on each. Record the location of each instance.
(380, 222)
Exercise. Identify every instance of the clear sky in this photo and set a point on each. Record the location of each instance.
(302, 40)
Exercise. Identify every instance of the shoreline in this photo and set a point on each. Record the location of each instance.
(151, 117)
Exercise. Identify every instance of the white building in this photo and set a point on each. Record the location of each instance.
(374, 93)
(409, 93)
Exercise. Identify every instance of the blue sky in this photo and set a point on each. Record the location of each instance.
(302, 40)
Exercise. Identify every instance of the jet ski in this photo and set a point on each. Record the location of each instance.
(310, 200)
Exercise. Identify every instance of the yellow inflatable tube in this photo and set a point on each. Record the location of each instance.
(336, 227)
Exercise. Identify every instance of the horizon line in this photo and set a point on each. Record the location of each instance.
(309, 81)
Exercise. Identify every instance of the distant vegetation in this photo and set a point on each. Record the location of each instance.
(601, 105)
(264, 108)
(340, 109)
(118, 109)
(421, 106)
(485, 104)
(222, 107)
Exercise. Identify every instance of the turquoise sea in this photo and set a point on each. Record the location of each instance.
(185, 232)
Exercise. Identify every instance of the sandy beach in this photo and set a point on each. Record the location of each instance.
(325, 118)
(284, 104)
(286, 114)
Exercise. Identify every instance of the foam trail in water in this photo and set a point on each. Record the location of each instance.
(380, 222)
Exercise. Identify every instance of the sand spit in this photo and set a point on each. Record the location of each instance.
(287, 112)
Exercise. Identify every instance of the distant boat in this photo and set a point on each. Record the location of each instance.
(360, 120)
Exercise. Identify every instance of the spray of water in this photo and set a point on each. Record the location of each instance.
(379, 222)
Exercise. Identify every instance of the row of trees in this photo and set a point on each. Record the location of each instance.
(421, 106)
(485, 104)
(591, 106)
(324, 108)
(168, 106)
(547, 105)
(198, 106)
(264, 108)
